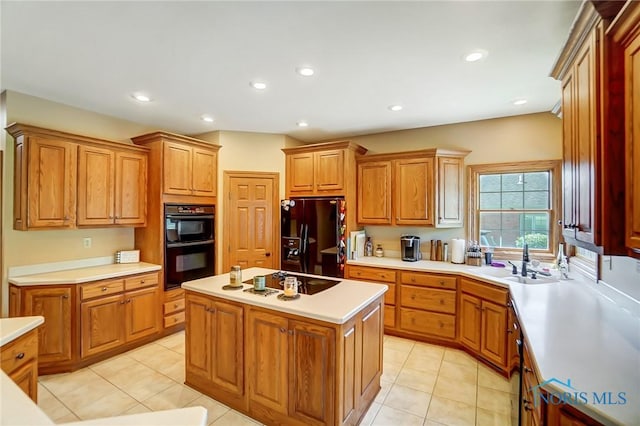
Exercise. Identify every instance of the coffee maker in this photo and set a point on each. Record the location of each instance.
(410, 248)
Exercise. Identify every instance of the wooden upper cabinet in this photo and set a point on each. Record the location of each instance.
(626, 34)
(111, 187)
(186, 167)
(374, 187)
(590, 69)
(44, 179)
(321, 169)
(62, 180)
(417, 188)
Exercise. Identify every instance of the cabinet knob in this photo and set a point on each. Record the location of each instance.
(442, 301)
(175, 305)
(141, 281)
(128, 300)
(441, 324)
(20, 355)
(413, 279)
(122, 302)
(290, 332)
(441, 282)
(65, 296)
(413, 297)
(104, 289)
(282, 330)
(267, 254)
(175, 320)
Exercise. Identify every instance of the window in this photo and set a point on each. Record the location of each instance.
(514, 203)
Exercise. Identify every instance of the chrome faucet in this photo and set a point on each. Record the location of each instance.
(525, 259)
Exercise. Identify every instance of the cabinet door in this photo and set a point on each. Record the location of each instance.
(632, 116)
(568, 161)
(268, 359)
(227, 346)
(177, 169)
(198, 336)
(300, 173)
(311, 373)
(101, 324)
(142, 316)
(14, 302)
(371, 361)
(494, 332)
(374, 192)
(131, 188)
(54, 336)
(470, 321)
(450, 192)
(96, 167)
(329, 170)
(204, 172)
(414, 191)
(586, 109)
(26, 377)
(52, 183)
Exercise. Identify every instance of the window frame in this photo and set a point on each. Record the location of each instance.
(473, 216)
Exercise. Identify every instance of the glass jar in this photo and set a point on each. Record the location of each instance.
(235, 276)
(379, 251)
(290, 286)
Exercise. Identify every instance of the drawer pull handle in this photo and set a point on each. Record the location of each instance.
(20, 355)
(104, 289)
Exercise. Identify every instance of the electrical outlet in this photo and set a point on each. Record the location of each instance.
(86, 242)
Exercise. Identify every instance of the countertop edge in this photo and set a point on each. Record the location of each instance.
(17, 327)
(85, 275)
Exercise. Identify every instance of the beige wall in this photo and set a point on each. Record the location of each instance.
(245, 151)
(32, 247)
(509, 139)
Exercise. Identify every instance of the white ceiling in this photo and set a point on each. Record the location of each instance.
(197, 58)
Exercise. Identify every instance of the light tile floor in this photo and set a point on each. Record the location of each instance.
(422, 384)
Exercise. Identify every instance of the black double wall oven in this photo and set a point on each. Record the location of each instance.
(189, 243)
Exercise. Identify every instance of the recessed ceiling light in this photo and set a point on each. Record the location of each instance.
(306, 71)
(207, 118)
(302, 124)
(258, 85)
(476, 55)
(141, 97)
(520, 102)
(395, 107)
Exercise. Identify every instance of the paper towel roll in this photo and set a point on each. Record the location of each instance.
(457, 250)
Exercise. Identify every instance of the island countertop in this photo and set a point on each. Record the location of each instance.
(335, 305)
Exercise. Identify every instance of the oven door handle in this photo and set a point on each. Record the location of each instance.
(189, 216)
(190, 244)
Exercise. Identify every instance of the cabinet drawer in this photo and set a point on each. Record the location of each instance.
(429, 280)
(390, 295)
(428, 299)
(174, 319)
(173, 306)
(101, 288)
(423, 322)
(141, 281)
(390, 316)
(19, 352)
(485, 291)
(372, 274)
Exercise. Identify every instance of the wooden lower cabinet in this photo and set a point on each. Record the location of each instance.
(173, 309)
(87, 322)
(379, 275)
(281, 368)
(19, 360)
(483, 325)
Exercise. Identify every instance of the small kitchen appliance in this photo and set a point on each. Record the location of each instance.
(410, 248)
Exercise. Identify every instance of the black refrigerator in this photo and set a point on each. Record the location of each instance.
(312, 234)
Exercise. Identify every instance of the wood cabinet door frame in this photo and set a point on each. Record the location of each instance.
(228, 243)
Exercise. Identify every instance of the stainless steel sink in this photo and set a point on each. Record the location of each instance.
(528, 280)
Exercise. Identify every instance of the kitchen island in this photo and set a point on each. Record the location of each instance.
(315, 360)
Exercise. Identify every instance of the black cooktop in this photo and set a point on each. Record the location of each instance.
(306, 285)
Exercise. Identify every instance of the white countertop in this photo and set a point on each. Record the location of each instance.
(12, 328)
(575, 332)
(335, 305)
(83, 275)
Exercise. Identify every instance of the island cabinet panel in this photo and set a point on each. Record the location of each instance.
(215, 348)
(19, 360)
(55, 304)
(371, 357)
(483, 326)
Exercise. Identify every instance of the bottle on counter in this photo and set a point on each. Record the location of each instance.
(368, 247)
(235, 276)
(379, 251)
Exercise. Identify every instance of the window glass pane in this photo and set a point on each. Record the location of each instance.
(536, 181)
(536, 200)
(512, 182)
(490, 201)
(490, 183)
(511, 228)
(512, 200)
(536, 240)
(534, 222)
